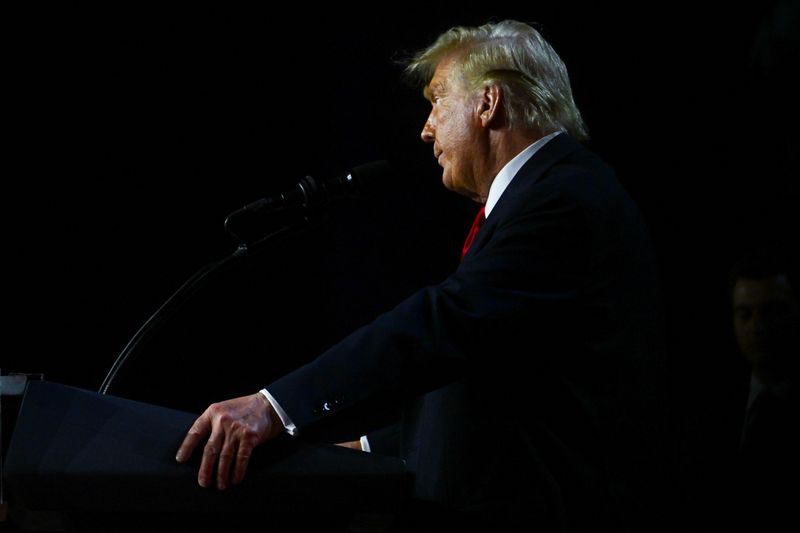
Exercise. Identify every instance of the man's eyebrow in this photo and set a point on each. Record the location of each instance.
(437, 87)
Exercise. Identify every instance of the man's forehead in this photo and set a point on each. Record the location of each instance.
(440, 78)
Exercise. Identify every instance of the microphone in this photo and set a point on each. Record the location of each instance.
(293, 206)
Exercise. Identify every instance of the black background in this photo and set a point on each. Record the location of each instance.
(133, 132)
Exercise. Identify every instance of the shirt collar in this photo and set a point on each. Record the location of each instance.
(507, 173)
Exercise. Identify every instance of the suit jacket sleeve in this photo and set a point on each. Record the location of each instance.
(545, 290)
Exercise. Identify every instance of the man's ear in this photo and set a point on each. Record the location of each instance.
(490, 107)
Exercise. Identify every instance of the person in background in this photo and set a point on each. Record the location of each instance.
(766, 324)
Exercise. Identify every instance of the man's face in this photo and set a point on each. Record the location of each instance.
(453, 127)
(765, 319)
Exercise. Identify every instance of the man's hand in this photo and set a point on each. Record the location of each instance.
(235, 427)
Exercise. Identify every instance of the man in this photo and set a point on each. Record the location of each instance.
(766, 323)
(524, 378)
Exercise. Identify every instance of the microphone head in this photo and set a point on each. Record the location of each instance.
(367, 179)
(292, 207)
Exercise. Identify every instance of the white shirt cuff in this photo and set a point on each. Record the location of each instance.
(285, 420)
(365, 444)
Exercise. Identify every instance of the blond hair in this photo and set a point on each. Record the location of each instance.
(516, 57)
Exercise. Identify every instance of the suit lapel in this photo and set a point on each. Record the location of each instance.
(534, 170)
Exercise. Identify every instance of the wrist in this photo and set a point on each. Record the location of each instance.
(274, 423)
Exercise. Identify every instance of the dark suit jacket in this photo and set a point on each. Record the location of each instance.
(525, 380)
(766, 476)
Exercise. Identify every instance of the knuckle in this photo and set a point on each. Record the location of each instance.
(211, 448)
(217, 410)
(250, 439)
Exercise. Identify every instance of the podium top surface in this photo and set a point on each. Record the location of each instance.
(78, 450)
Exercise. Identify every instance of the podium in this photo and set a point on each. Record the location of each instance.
(78, 452)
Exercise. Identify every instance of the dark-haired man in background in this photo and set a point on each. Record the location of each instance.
(766, 323)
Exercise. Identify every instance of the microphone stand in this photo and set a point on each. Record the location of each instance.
(190, 287)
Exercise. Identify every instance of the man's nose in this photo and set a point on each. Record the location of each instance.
(428, 132)
(760, 323)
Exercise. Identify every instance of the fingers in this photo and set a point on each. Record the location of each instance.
(228, 457)
(211, 452)
(242, 460)
(200, 428)
(224, 466)
(227, 438)
(205, 424)
(235, 453)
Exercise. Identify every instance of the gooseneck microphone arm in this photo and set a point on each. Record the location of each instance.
(162, 315)
(173, 304)
(254, 226)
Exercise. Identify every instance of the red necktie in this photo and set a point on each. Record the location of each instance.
(480, 218)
